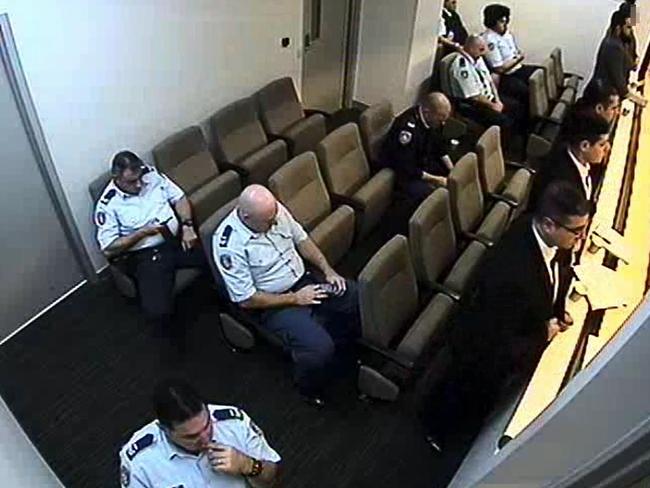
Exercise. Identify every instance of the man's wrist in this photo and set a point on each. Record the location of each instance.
(248, 466)
(187, 223)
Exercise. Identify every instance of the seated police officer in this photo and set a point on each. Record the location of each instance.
(192, 444)
(416, 149)
(472, 84)
(503, 56)
(137, 220)
(259, 249)
(452, 33)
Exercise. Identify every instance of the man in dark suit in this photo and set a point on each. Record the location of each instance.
(585, 147)
(514, 308)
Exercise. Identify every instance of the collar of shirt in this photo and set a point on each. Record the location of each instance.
(125, 195)
(247, 231)
(421, 117)
(583, 168)
(445, 11)
(548, 252)
(172, 450)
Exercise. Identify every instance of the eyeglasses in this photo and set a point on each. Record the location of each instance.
(576, 231)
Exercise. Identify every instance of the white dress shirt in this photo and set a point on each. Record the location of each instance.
(583, 169)
(548, 253)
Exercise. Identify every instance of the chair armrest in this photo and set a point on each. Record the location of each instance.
(387, 354)
(314, 111)
(474, 237)
(502, 198)
(550, 120)
(338, 199)
(438, 288)
(515, 165)
(224, 166)
(571, 75)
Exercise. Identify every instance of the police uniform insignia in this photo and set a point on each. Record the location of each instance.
(225, 236)
(491, 46)
(405, 137)
(138, 446)
(148, 169)
(255, 428)
(228, 414)
(109, 194)
(464, 74)
(125, 476)
(411, 125)
(101, 218)
(226, 261)
(462, 62)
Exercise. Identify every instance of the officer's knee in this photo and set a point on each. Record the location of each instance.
(321, 354)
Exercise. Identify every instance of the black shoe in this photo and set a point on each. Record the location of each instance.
(313, 400)
(434, 443)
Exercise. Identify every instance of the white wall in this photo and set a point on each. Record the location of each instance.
(577, 26)
(20, 463)
(113, 74)
(396, 49)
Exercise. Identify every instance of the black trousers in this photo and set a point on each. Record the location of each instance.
(154, 270)
(512, 120)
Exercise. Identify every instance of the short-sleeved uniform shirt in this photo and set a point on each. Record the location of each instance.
(251, 261)
(470, 78)
(501, 49)
(118, 214)
(151, 460)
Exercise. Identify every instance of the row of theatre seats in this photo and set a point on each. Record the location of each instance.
(410, 287)
(551, 94)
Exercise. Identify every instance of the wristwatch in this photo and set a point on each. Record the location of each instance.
(256, 469)
(188, 223)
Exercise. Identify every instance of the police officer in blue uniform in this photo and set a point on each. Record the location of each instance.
(259, 250)
(192, 444)
(137, 219)
(416, 149)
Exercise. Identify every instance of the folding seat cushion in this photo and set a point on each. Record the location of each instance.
(468, 208)
(283, 117)
(184, 157)
(240, 142)
(555, 93)
(345, 169)
(300, 187)
(563, 79)
(375, 122)
(512, 189)
(388, 300)
(439, 264)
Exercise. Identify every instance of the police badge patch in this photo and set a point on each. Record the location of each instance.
(125, 476)
(491, 46)
(405, 137)
(101, 218)
(464, 74)
(226, 261)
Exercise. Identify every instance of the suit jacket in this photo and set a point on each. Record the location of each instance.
(613, 64)
(501, 324)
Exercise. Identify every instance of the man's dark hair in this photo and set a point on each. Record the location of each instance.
(561, 200)
(626, 8)
(618, 19)
(124, 160)
(585, 127)
(493, 13)
(597, 91)
(176, 401)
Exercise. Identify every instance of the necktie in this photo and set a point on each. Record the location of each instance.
(555, 275)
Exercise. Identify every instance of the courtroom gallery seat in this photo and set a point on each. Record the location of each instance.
(375, 123)
(395, 327)
(440, 264)
(283, 117)
(300, 187)
(566, 95)
(346, 172)
(563, 79)
(184, 157)
(241, 144)
(473, 219)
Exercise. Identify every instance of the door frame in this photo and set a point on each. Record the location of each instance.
(10, 61)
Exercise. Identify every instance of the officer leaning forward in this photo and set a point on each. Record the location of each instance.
(416, 150)
(192, 444)
(138, 227)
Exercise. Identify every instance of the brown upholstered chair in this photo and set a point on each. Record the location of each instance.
(124, 283)
(512, 188)
(473, 219)
(541, 108)
(374, 123)
(440, 264)
(300, 187)
(566, 95)
(346, 172)
(241, 144)
(563, 79)
(184, 157)
(283, 117)
(394, 324)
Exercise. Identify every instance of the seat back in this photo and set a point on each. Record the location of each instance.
(445, 76)
(549, 78)
(279, 105)
(538, 96)
(96, 187)
(491, 165)
(465, 195)
(236, 131)
(343, 161)
(300, 187)
(375, 122)
(556, 56)
(388, 292)
(432, 238)
(185, 158)
(206, 234)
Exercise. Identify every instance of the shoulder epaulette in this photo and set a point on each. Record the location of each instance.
(225, 236)
(139, 445)
(232, 413)
(109, 194)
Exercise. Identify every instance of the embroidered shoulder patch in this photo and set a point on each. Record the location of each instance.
(226, 261)
(138, 446)
(491, 46)
(125, 476)
(405, 137)
(100, 219)
(464, 74)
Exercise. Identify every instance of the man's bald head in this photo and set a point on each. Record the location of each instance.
(436, 108)
(257, 208)
(475, 46)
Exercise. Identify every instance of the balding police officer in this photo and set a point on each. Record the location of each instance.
(472, 84)
(416, 149)
(259, 249)
(137, 219)
(192, 444)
